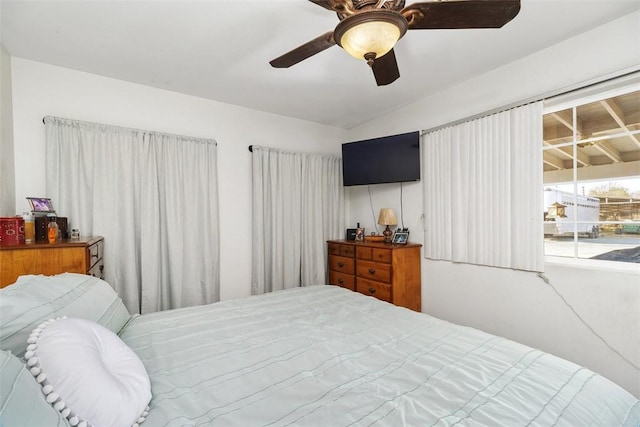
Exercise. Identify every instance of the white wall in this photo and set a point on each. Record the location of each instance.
(7, 183)
(40, 90)
(515, 304)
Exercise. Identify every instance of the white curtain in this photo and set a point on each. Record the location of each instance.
(482, 183)
(297, 206)
(153, 197)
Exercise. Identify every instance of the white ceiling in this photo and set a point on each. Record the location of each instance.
(220, 49)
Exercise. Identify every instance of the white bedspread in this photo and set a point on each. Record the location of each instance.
(324, 356)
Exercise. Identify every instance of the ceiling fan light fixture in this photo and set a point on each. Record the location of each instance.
(370, 34)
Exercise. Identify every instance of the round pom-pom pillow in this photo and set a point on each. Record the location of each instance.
(88, 373)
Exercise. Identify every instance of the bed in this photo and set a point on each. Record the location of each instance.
(317, 356)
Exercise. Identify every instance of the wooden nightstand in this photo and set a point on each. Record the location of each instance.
(68, 256)
(388, 272)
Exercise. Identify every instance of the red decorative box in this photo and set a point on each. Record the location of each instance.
(11, 231)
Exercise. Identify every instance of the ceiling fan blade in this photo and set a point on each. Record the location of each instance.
(304, 51)
(323, 3)
(457, 14)
(385, 69)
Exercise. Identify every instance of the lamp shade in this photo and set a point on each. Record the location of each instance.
(387, 217)
(370, 33)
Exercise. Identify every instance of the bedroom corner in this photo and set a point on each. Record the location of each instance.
(41, 90)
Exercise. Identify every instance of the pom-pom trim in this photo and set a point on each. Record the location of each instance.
(33, 364)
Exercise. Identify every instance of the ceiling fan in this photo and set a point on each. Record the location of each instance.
(369, 29)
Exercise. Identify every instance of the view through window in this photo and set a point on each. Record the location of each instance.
(591, 154)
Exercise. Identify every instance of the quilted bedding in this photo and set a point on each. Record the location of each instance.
(324, 356)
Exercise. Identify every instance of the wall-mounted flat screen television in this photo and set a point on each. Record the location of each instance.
(394, 158)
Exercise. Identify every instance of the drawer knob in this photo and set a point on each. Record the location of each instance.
(372, 271)
(340, 264)
(341, 281)
(372, 290)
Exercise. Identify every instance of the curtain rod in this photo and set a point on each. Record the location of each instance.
(193, 138)
(551, 94)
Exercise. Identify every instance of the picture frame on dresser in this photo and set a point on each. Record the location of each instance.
(41, 205)
(400, 238)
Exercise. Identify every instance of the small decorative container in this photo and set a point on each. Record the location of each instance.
(11, 231)
(29, 227)
(53, 231)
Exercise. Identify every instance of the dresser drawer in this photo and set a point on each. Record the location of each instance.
(97, 270)
(95, 253)
(374, 289)
(347, 250)
(381, 255)
(341, 264)
(342, 250)
(374, 270)
(374, 254)
(364, 252)
(343, 280)
(334, 249)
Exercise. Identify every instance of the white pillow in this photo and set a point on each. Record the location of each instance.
(88, 373)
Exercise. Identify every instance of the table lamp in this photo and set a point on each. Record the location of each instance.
(387, 217)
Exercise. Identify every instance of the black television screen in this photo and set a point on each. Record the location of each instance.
(388, 159)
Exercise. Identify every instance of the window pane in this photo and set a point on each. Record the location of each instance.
(615, 243)
(602, 217)
(606, 130)
(620, 220)
(597, 216)
(557, 132)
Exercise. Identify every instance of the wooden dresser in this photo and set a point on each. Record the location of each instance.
(387, 272)
(68, 256)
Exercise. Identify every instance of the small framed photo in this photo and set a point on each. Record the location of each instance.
(359, 235)
(400, 238)
(41, 204)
